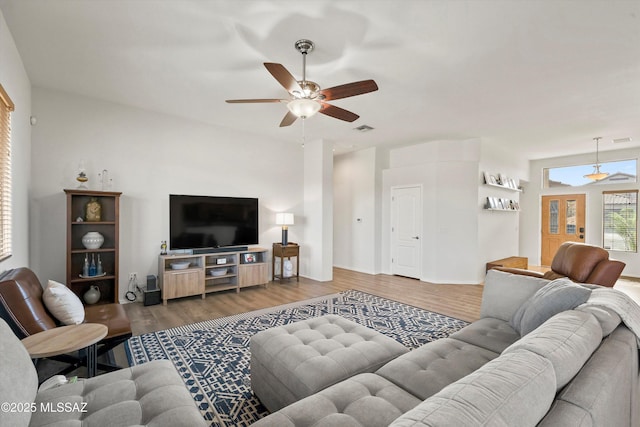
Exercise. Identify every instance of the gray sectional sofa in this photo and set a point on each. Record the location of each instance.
(151, 394)
(543, 353)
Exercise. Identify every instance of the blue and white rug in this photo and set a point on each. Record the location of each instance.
(213, 356)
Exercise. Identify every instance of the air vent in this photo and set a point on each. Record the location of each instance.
(621, 140)
(363, 128)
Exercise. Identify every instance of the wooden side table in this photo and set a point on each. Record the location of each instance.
(65, 339)
(511, 262)
(282, 252)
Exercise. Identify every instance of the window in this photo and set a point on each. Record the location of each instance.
(619, 220)
(6, 107)
(620, 172)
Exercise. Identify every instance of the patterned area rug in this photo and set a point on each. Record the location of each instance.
(213, 356)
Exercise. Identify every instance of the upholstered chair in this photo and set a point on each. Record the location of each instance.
(581, 263)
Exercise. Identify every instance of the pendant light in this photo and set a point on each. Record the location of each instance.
(596, 175)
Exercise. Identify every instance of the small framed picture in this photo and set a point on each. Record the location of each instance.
(493, 180)
(502, 179)
(249, 258)
(487, 178)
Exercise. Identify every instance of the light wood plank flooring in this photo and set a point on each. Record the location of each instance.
(460, 301)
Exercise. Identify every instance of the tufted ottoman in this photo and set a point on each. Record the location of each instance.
(297, 360)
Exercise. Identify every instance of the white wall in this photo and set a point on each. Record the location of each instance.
(499, 232)
(15, 81)
(531, 199)
(149, 156)
(448, 173)
(317, 252)
(356, 211)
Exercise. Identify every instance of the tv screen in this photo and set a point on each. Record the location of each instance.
(212, 222)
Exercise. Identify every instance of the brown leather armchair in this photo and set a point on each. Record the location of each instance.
(581, 263)
(21, 306)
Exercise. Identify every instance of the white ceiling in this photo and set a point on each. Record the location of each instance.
(540, 77)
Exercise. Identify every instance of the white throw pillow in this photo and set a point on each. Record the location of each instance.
(63, 303)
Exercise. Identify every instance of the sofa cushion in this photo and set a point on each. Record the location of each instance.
(493, 334)
(151, 394)
(554, 297)
(63, 303)
(504, 293)
(516, 389)
(567, 340)
(363, 400)
(432, 366)
(18, 378)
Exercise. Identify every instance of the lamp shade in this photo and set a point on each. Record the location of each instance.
(284, 218)
(303, 107)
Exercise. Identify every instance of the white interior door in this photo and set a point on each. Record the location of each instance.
(406, 231)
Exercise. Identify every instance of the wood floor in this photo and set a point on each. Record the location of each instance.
(460, 301)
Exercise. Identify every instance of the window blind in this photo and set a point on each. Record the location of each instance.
(619, 220)
(6, 107)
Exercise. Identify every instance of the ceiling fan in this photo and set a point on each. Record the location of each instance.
(306, 97)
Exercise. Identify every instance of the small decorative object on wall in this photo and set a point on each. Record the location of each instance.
(284, 219)
(82, 176)
(92, 296)
(93, 211)
(93, 240)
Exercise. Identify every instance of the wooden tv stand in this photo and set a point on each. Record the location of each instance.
(212, 272)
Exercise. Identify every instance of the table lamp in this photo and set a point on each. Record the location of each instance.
(284, 219)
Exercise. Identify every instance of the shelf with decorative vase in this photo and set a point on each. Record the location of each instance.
(93, 234)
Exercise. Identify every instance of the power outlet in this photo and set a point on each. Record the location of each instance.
(133, 277)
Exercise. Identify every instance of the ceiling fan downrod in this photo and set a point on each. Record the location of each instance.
(304, 46)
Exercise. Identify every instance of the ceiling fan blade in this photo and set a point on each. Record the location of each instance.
(288, 119)
(283, 76)
(349, 89)
(247, 101)
(338, 113)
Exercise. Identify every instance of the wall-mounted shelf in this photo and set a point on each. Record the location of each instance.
(504, 183)
(501, 181)
(502, 204)
(504, 187)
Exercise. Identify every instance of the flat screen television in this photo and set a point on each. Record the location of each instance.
(203, 222)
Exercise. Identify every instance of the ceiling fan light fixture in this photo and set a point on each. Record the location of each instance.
(303, 107)
(596, 175)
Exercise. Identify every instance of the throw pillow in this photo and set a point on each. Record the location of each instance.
(553, 298)
(63, 303)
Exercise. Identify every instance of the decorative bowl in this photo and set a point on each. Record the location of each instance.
(180, 265)
(92, 240)
(217, 272)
